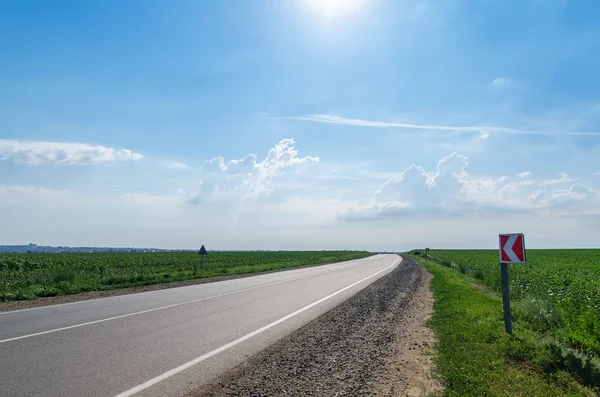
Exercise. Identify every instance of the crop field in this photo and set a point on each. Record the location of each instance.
(556, 292)
(33, 275)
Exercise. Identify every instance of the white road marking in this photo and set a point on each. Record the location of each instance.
(168, 306)
(164, 289)
(229, 345)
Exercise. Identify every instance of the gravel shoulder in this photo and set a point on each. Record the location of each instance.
(376, 344)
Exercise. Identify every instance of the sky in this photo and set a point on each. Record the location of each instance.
(300, 124)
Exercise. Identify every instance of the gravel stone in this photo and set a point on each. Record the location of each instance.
(342, 353)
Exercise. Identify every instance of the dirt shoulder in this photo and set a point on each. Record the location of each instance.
(376, 343)
(410, 366)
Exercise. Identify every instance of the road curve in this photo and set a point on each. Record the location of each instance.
(168, 342)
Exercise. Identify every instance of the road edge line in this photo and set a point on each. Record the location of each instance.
(102, 320)
(240, 276)
(231, 344)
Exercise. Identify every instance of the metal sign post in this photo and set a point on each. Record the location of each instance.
(201, 253)
(505, 297)
(512, 250)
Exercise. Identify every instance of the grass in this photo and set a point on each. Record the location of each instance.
(557, 292)
(34, 275)
(475, 357)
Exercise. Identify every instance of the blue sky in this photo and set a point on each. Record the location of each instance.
(300, 124)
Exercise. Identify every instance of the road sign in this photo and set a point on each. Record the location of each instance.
(201, 254)
(512, 248)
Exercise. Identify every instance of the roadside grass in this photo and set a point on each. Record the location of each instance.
(35, 275)
(475, 357)
(557, 292)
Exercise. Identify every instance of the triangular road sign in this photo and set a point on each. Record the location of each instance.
(202, 251)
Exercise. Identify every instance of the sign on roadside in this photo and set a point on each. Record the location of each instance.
(201, 254)
(512, 248)
(202, 251)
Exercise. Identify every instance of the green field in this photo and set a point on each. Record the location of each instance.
(558, 291)
(555, 299)
(33, 275)
(475, 357)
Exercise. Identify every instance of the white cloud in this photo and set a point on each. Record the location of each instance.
(501, 82)
(576, 192)
(37, 152)
(535, 196)
(23, 192)
(340, 177)
(374, 210)
(332, 119)
(248, 176)
(597, 173)
(174, 165)
(150, 200)
(524, 174)
(451, 190)
(484, 135)
(564, 178)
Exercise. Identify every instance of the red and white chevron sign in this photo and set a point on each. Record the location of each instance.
(512, 248)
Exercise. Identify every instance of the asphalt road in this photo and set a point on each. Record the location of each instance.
(167, 342)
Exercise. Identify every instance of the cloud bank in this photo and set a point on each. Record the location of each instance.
(37, 153)
(270, 202)
(450, 190)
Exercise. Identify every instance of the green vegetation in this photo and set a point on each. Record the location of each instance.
(476, 357)
(29, 276)
(557, 292)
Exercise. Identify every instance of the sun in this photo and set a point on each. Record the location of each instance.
(334, 8)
